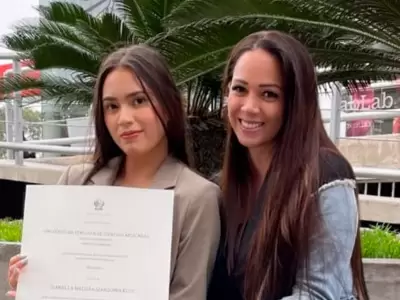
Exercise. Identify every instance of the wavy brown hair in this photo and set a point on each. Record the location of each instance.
(153, 73)
(289, 218)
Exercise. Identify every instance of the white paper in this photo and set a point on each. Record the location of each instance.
(96, 243)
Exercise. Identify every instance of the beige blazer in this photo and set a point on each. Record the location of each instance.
(196, 224)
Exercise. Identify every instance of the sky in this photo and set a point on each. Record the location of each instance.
(12, 12)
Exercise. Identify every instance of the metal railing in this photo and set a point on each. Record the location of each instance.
(44, 148)
(379, 187)
(13, 111)
(16, 146)
(377, 173)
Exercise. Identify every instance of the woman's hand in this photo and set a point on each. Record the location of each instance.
(16, 264)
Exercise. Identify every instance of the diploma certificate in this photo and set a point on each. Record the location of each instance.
(96, 243)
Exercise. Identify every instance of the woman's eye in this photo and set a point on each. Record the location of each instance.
(139, 101)
(110, 106)
(238, 89)
(270, 94)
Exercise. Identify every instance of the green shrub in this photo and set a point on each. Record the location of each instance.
(379, 242)
(10, 230)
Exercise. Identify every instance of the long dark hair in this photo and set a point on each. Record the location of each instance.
(280, 244)
(152, 71)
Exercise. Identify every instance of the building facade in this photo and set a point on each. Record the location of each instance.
(93, 6)
(377, 96)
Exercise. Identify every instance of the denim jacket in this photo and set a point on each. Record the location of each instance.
(330, 275)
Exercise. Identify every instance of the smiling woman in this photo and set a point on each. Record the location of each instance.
(141, 142)
(253, 123)
(289, 205)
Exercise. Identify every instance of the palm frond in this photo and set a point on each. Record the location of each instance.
(203, 96)
(336, 46)
(146, 18)
(379, 17)
(352, 41)
(61, 90)
(354, 78)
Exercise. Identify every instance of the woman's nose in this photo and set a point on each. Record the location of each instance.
(250, 105)
(126, 115)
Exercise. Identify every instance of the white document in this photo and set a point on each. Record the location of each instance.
(96, 243)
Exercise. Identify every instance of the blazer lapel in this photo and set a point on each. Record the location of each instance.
(168, 174)
(107, 175)
(165, 178)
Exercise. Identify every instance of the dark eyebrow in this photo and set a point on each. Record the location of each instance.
(240, 81)
(271, 85)
(110, 98)
(263, 85)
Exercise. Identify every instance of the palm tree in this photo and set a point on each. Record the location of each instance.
(352, 42)
(68, 44)
(69, 39)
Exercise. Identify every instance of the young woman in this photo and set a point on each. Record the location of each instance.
(289, 211)
(141, 142)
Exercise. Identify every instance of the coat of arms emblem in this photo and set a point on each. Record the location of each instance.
(98, 204)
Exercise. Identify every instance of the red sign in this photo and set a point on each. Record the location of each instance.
(362, 99)
(34, 74)
(396, 121)
(396, 125)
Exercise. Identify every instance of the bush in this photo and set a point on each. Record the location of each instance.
(10, 230)
(379, 242)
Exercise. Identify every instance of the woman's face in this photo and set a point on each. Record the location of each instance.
(256, 99)
(128, 114)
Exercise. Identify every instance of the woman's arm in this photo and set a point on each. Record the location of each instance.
(330, 274)
(198, 246)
